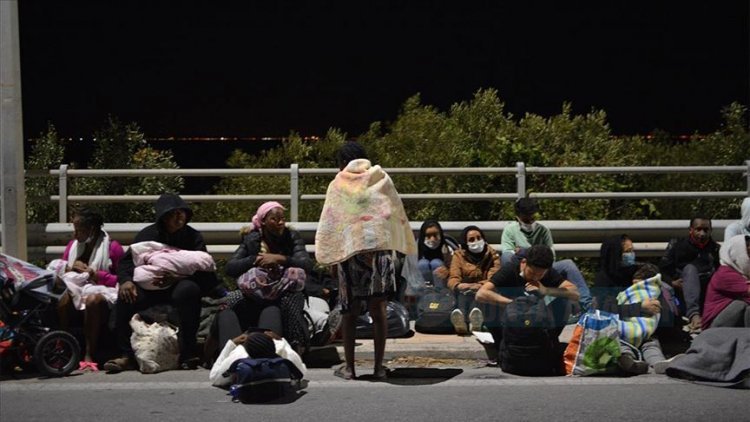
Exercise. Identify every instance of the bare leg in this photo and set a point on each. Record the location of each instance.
(349, 324)
(93, 317)
(64, 308)
(377, 310)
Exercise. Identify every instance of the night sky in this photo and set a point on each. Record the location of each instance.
(265, 68)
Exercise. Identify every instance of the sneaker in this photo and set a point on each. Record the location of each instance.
(661, 366)
(695, 324)
(459, 323)
(632, 366)
(476, 319)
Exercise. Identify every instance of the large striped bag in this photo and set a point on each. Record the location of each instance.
(636, 330)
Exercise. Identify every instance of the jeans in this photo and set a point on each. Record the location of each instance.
(569, 270)
(427, 267)
(650, 350)
(693, 289)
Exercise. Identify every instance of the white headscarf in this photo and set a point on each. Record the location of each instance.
(745, 216)
(733, 253)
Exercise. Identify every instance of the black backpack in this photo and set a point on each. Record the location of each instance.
(528, 347)
(398, 322)
(434, 310)
(263, 380)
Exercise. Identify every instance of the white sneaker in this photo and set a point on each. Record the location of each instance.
(476, 319)
(459, 323)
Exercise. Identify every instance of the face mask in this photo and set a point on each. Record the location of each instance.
(476, 247)
(432, 243)
(528, 228)
(628, 259)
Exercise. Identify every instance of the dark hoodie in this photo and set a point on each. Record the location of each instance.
(611, 271)
(612, 278)
(186, 238)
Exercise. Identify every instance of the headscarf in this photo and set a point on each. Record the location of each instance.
(424, 251)
(745, 216)
(733, 253)
(611, 271)
(263, 210)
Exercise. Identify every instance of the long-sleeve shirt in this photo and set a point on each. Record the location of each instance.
(293, 247)
(725, 286)
(513, 237)
(683, 252)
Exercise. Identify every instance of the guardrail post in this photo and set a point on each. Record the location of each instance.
(63, 193)
(294, 192)
(747, 175)
(521, 179)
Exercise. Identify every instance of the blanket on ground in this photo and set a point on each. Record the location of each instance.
(718, 356)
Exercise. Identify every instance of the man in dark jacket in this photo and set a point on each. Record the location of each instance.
(688, 265)
(184, 294)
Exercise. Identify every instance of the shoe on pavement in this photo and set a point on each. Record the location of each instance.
(459, 323)
(476, 319)
(661, 366)
(632, 366)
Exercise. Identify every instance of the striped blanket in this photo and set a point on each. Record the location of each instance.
(636, 330)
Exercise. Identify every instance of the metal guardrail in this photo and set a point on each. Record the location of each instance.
(294, 172)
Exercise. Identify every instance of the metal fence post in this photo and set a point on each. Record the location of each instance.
(63, 193)
(294, 192)
(747, 175)
(521, 179)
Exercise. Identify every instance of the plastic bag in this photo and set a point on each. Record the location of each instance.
(595, 345)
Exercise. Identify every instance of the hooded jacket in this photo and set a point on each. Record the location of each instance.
(186, 238)
(611, 271)
(743, 225)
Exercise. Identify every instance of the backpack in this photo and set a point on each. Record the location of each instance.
(263, 380)
(434, 310)
(528, 347)
(398, 322)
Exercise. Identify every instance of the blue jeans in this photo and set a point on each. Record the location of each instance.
(569, 270)
(427, 268)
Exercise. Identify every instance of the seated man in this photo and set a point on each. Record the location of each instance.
(172, 217)
(526, 232)
(688, 265)
(532, 275)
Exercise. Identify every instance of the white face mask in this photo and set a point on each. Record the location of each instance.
(528, 228)
(476, 247)
(432, 243)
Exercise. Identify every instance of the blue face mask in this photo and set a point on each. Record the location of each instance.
(628, 259)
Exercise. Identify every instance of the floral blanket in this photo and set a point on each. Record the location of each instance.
(362, 212)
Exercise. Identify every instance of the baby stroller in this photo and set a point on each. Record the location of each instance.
(25, 295)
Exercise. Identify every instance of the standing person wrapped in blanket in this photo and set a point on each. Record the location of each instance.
(271, 264)
(184, 293)
(89, 270)
(362, 226)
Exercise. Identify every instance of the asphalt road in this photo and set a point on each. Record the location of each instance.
(444, 394)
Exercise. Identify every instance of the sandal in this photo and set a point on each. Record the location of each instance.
(85, 366)
(114, 366)
(344, 373)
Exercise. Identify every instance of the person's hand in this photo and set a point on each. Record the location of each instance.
(326, 293)
(535, 288)
(651, 307)
(93, 276)
(269, 259)
(677, 284)
(462, 287)
(165, 279)
(474, 286)
(442, 272)
(517, 250)
(127, 292)
(240, 339)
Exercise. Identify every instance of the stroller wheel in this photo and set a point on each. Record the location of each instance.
(57, 354)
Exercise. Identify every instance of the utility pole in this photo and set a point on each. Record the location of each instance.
(13, 197)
